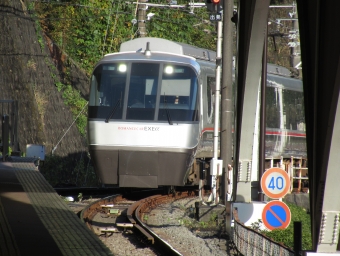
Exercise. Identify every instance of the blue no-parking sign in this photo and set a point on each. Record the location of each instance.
(276, 214)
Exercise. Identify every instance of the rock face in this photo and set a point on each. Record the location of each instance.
(28, 73)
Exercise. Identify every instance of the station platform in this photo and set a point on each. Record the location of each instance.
(35, 220)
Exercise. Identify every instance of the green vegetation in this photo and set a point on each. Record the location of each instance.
(80, 197)
(188, 220)
(286, 236)
(77, 104)
(59, 171)
(88, 29)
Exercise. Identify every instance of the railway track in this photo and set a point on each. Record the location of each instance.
(118, 214)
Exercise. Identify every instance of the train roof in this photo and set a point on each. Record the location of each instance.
(277, 76)
(154, 57)
(289, 83)
(280, 77)
(278, 70)
(167, 46)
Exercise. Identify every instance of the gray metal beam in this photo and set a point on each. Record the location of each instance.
(319, 21)
(252, 24)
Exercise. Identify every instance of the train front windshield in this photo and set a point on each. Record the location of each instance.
(144, 91)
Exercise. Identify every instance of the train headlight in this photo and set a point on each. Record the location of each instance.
(169, 70)
(122, 67)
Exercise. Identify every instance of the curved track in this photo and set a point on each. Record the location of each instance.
(134, 211)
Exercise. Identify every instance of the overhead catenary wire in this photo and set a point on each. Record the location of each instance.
(160, 6)
(183, 8)
(154, 18)
(55, 147)
(176, 20)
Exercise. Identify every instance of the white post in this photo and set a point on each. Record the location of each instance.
(217, 109)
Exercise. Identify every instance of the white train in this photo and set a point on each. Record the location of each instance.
(151, 113)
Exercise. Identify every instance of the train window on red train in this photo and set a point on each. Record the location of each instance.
(211, 87)
(284, 109)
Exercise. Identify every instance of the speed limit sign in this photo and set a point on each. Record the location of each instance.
(275, 183)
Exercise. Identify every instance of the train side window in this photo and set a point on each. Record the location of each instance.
(273, 99)
(284, 109)
(211, 87)
(294, 110)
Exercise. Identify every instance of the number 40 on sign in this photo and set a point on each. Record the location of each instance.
(275, 183)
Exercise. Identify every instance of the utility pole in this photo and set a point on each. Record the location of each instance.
(294, 58)
(141, 18)
(226, 142)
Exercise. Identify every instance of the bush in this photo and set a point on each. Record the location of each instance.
(286, 236)
(69, 171)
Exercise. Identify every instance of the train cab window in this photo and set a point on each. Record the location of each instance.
(142, 91)
(178, 94)
(107, 91)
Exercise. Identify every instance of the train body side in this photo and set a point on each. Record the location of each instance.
(285, 134)
(285, 117)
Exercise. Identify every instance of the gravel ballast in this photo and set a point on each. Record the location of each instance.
(174, 223)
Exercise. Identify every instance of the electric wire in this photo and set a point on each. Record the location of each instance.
(167, 8)
(55, 147)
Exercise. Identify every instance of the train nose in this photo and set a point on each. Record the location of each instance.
(144, 169)
(152, 168)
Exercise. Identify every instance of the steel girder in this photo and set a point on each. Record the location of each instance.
(251, 26)
(319, 23)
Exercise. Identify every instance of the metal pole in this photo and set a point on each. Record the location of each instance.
(294, 58)
(217, 105)
(297, 238)
(141, 18)
(262, 153)
(202, 178)
(227, 109)
(15, 126)
(5, 136)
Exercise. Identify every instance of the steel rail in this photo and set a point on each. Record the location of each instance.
(138, 209)
(91, 210)
(135, 214)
